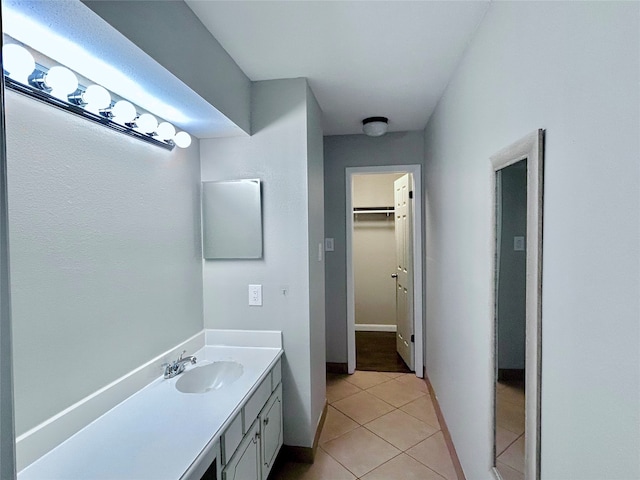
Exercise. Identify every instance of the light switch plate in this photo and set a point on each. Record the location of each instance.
(328, 244)
(255, 295)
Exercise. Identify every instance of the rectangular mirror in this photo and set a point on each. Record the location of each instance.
(231, 219)
(517, 308)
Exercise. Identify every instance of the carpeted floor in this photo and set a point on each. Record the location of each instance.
(376, 351)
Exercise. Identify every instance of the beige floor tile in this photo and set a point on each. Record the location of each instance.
(510, 416)
(402, 467)
(514, 455)
(433, 453)
(364, 379)
(335, 377)
(324, 468)
(423, 409)
(335, 425)
(360, 451)
(414, 381)
(509, 473)
(504, 438)
(513, 395)
(363, 407)
(340, 389)
(396, 393)
(394, 374)
(400, 429)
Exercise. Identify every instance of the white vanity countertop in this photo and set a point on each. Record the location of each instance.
(158, 432)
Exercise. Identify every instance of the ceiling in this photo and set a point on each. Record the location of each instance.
(361, 58)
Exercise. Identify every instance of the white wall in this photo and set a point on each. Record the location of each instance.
(171, 34)
(573, 69)
(281, 154)
(342, 151)
(105, 254)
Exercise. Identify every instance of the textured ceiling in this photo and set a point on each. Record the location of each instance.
(362, 58)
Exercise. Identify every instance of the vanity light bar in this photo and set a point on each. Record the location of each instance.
(58, 86)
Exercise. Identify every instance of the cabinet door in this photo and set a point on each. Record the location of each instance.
(271, 418)
(245, 463)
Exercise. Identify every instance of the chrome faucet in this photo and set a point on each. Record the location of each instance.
(177, 367)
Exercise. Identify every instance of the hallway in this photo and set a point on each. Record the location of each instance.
(379, 426)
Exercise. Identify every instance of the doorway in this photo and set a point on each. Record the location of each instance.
(395, 283)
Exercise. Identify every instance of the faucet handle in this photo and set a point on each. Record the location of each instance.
(180, 357)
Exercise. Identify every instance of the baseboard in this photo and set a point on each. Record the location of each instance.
(510, 374)
(445, 430)
(305, 454)
(291, 453)
(372, 327)
(333, 367)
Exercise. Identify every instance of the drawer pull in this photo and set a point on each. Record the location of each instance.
(266, 421)
(256, 437)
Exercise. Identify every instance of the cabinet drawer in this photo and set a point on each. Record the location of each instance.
(231, 438)
(257, 401)
(276, 375)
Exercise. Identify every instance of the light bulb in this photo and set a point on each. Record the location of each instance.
(96, 98)
(18, 62)
(146, 123)
(61, 81)
(182, 139)
(123, 112)
(166, 131)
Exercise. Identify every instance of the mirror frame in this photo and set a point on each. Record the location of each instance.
(531, 148)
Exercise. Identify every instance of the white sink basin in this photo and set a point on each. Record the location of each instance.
(211, 376)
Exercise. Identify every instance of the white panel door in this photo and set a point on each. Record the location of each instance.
(404, 268)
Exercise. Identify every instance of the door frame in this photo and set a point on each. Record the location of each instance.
(418, 292)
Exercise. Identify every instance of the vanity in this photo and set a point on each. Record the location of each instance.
(222, 426)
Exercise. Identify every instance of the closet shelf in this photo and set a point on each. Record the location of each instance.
(387, 210)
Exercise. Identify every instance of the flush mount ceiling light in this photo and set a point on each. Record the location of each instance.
(375, 126)
(58, 86)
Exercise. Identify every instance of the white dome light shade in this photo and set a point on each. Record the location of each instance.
(123, 112)
(375, 126)
(61, 81)
(18, 62)
(182, 139)
(147, 123)
(166, 131)
(96, 98)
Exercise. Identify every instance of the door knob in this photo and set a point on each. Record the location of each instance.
(394, 275)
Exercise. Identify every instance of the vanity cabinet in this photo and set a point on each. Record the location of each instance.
(250, 455)
(271, 424)
(245, 463)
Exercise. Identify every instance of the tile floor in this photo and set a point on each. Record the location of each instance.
(379, 426)
(510, 429)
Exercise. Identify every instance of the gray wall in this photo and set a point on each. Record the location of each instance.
(513, 269)
(283, 152)
(340, 152)
(315, 185)
(571, 68)
(170, 33)
(105, 254)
